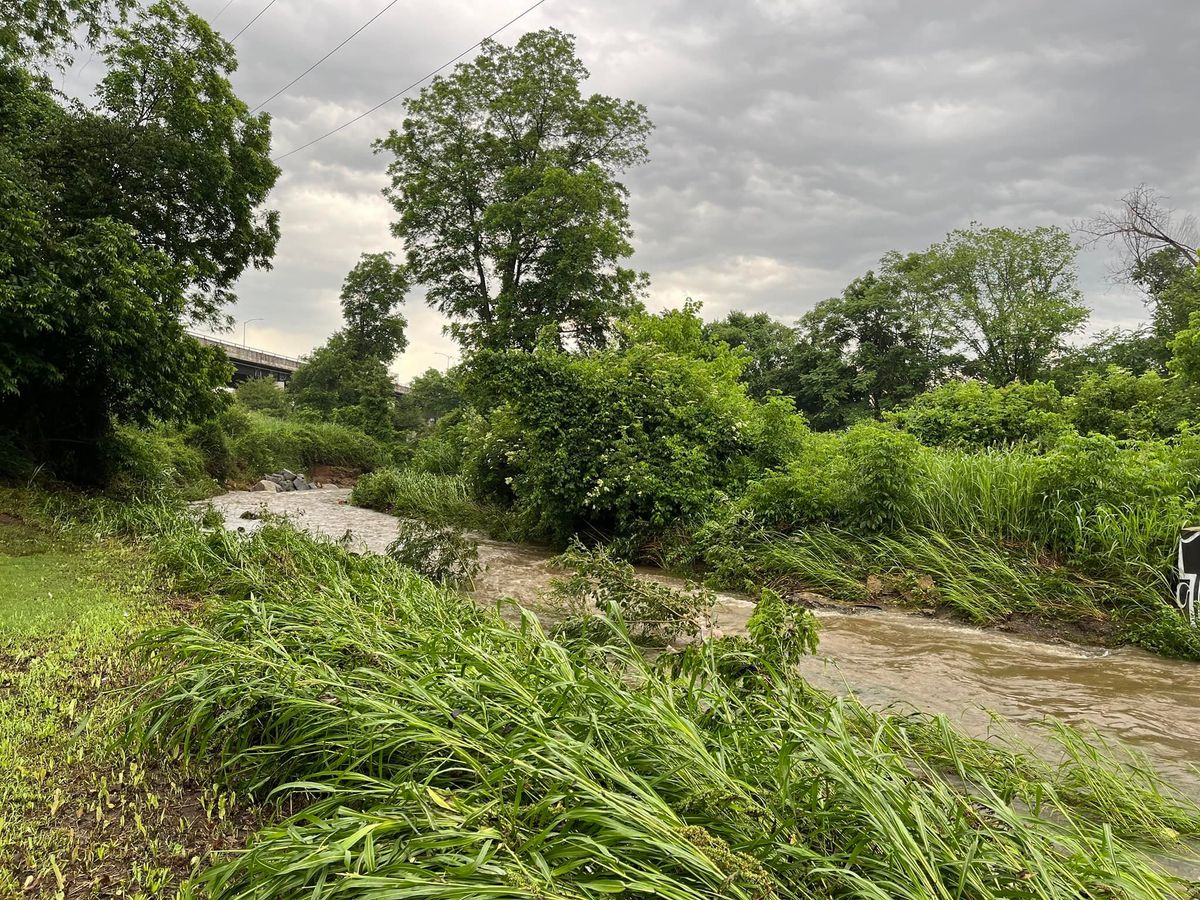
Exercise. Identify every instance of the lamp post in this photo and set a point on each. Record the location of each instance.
(244, 324)
(448, 358)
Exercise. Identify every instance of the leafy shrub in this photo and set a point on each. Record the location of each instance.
(973, 414)
(264, 395)
(880, 477)
(439, 552)
(1116, 508)
(212, 442)
(439, 450)
(654, 613)
(781, 631)
(1118, 403)
(627, 441)
(865, 478)
(1162, 629)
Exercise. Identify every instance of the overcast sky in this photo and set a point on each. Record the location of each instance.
(795, 142)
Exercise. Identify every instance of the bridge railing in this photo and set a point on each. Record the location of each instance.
(250, 354)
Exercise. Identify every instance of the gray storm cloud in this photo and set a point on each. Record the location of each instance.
(796, 142)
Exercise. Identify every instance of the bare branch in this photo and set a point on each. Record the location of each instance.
(1143, 224)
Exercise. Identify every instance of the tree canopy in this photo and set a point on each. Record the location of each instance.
(44, 28)
(1014, 293)
(371, 294)
(505, 180)
(768, 344)
(121, 223)
(347, 378)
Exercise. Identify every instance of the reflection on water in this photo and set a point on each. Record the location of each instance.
(887, 659)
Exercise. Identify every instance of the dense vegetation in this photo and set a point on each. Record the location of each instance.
(937, 435)
(122, 221)
(423, 741)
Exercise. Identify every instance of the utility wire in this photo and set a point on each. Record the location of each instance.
(252, 21)
(213, 20)
(417, 83)
(360, 30)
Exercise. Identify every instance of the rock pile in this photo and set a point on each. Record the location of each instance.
(282, 480)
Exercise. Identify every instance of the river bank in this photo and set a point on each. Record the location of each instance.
(889, 659)
(261, 627)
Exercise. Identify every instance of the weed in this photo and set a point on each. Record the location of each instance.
(439, 552)
(654, 613)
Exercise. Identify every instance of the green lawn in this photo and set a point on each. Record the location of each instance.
(79, 817)
(46, 588)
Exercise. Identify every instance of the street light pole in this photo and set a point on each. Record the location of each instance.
(244, 324)
(448, 358)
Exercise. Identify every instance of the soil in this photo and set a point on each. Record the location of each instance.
(337, 475)
(1096, 631)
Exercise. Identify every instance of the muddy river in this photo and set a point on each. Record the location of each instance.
(887, 659)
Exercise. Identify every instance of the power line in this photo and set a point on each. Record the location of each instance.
(361, 29)
(417, 83)
(252, 21)
(213, 20)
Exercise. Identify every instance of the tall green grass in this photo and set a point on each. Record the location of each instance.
(441, 753)
(1084, 529)
(258, 444)
(439, 499)
(1119, 528)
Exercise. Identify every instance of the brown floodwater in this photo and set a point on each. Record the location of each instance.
(888, 659)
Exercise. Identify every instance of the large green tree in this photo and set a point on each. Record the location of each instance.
(117, 225)
(768, 343)
(175, 153)
(505, 179)
(875, 334)
(1014, 294)
(371, 296)
(347, 379)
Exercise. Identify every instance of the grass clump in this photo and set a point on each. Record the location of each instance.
(441, 752)
(439, 552)
(439, 499)
(260, 443)
(655, 614)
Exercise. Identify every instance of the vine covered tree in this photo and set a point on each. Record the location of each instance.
(505, 180)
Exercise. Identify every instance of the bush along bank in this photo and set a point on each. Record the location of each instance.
(1084, 532)
(434, 745)
(655, 446)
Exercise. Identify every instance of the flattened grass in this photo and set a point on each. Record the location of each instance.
(445, 754)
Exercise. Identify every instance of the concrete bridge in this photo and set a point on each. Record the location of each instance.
(249, 362)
